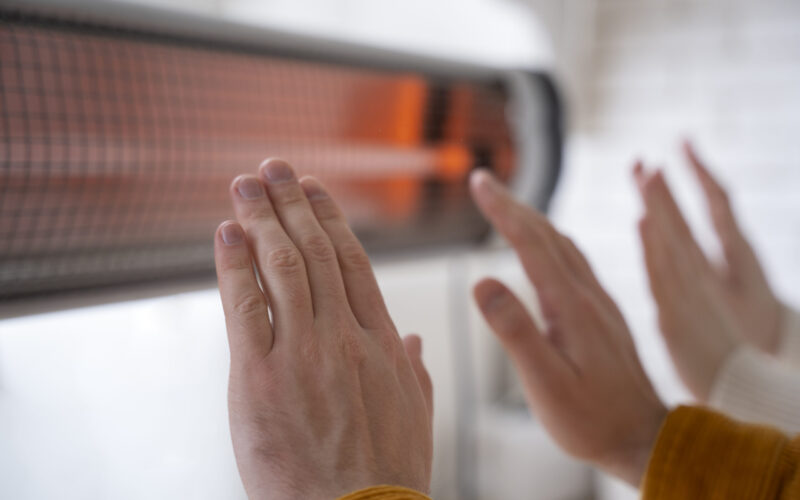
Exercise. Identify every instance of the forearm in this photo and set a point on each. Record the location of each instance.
(702, 454)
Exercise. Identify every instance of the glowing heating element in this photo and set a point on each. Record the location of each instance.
(117, 149)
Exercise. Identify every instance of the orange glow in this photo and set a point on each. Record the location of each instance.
(121, 146)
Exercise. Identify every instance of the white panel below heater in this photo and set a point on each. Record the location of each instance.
(516, 457)
(519, 461)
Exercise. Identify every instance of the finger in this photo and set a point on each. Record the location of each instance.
(662, 276)
(640, 175)
(722, 216)
(672, 246)
(666, 215)
(294, 211)
(577, 261)
(653, 230)
(716, 196)
(279, 263)
(360, 284)
(530, 236)
(246, 316)
(537, 361)
(413, 346)
(658, 199)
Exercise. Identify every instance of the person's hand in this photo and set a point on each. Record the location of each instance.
(324, 397)
(581, 373)
(698, 325)
(705, 311)
(741, 276)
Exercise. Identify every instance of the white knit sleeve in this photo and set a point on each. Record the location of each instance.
(755, 387)
(789, 347)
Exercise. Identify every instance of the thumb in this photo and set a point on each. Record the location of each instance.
(535, 358)
(413, 346)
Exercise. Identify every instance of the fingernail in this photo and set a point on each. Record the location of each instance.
(250, 188)
(495, 300)
(278, 171)
(232, 234)
(486, 182)
(313, 190)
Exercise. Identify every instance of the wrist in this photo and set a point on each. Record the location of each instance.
(776, 330)
(630, 461)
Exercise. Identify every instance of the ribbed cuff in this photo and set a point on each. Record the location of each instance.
(754, 387)
(702, 454)
(384, 492)
(789, 345)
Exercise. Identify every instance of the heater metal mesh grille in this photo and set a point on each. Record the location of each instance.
(117, 149)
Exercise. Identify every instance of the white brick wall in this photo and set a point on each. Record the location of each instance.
(727, 74)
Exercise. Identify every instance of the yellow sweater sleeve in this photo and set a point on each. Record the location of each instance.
(385, 493)
(702, 454)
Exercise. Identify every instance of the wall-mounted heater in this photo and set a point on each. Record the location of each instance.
(121, 128)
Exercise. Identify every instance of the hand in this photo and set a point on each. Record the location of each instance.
(581, 373)
(698, 325)
(758, 311)
(324, 397)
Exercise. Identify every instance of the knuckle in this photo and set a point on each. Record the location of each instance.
(352, 346)
(284, 258)
(551, 300)
(326, 211)
(249, 306)
(292, 197)
(317, 246)
(513, 326)
(311, 353)
(235, 261)
(295, 295)
(353, 257)
(259, 211)
(389, 342)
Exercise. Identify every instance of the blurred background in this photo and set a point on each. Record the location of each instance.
(127, 400)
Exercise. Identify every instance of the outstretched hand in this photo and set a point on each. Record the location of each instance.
(581, 373)
(741, 275)
(705, 310)
(324, 396)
